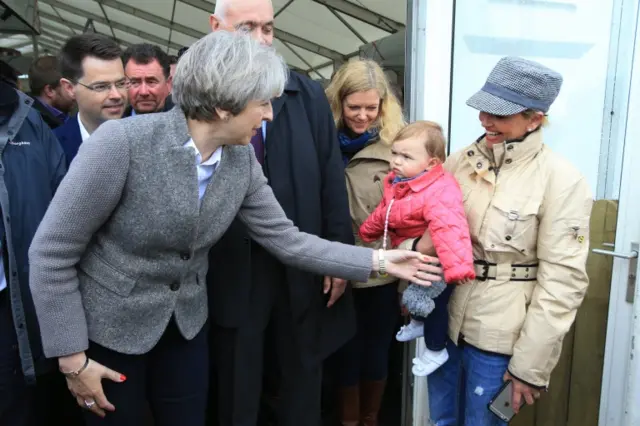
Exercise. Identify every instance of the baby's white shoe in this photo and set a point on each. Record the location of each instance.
(429, 362)
(411, 331)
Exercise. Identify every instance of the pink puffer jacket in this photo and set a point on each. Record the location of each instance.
(431, 201)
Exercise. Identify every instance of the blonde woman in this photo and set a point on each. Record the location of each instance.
(367, 116)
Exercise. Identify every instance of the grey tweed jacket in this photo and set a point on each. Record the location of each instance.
(123, 246)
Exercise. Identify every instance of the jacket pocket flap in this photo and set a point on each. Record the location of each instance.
(515, 208)
(100, 271)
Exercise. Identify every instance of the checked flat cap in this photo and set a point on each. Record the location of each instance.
(515, 85)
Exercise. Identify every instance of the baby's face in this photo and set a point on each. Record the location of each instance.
(410, 158)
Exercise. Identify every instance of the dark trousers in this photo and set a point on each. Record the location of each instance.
(49, 402)
(366, 356)
(172, 379)
(239, 355)
(436, 325)
(16, 399)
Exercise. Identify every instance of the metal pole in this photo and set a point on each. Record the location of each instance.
(36, 52)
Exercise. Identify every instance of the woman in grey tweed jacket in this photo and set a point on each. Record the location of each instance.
(119, 262)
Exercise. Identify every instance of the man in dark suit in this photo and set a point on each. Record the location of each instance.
(92, 75)
(52, 102)
(148, 69)
(251, 294)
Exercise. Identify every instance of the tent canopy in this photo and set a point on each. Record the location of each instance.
(312, 35)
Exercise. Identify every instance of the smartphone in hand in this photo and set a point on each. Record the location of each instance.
(501, 404)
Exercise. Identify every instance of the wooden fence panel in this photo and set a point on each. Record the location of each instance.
(574, 393)
(591, 322)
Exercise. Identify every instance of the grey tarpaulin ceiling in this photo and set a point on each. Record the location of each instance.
(310, 34)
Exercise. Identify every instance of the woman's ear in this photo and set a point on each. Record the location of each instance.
(535, 121)
(223, 114)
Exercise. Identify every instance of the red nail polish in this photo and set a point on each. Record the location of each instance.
(123, 377)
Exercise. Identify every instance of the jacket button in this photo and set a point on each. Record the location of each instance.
(185, 256)
(508, 161)
(510, 148)
(508, 238)
(470, 153)
(479, 165)
(246, 240)
(175, 286)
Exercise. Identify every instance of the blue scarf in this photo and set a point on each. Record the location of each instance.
(350, 147)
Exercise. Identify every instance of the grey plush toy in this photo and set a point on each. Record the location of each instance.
(419, 299)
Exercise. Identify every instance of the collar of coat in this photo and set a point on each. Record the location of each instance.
(377, 150)
(512, 153)
(293, 85)
(419, 183)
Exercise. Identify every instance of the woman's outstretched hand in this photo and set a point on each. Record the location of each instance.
(412, 266)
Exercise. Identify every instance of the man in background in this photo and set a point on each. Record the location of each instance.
(251, 293)
(93, 76)
(148, 69)
(52, 102)
(31, 167)
(9, 75)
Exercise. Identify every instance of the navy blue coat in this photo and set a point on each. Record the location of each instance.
(31, 168)
(70, 138)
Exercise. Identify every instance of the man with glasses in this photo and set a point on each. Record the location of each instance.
(148, 69)
(92, 75)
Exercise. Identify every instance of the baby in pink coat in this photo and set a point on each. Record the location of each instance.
(420, 195)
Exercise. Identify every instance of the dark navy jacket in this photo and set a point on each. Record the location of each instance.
(32, 165)
(70, 138)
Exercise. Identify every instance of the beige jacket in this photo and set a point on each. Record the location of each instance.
(364, 174)
(533, 209)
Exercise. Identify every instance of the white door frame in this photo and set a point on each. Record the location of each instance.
(620, 399)
(428, 92)
(428, 96)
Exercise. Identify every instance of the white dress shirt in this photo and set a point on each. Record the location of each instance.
(83, 130)
(205, 169)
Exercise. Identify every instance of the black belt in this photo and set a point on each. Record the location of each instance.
(488, 271)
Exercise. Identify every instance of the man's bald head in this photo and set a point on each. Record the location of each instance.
(252, 16)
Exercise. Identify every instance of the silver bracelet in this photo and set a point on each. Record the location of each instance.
(74, 374)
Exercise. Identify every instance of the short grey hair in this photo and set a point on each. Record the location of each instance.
(220, 8)
(226, 70)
